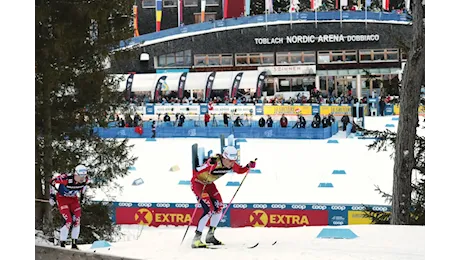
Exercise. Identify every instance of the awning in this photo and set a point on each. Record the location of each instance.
(354, 72)
(195, 80)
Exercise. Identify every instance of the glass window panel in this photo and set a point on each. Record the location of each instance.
(323, 57)
(296, 58)
(179, 60)
(212, 2)
(213, 61)
(227, 61)
(282, 59)
(365, 57)
(241, 60)
(379, 56)
(190, 2)
(337, 58)
(392, 56)
(170, 59)
(350, 57)
(169, 3)
(188, 60)
(254, 60)
(200, 60)
(268, 60)
(309, 59)
(161, 60)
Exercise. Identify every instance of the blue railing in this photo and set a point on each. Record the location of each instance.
(306, 16)
(215, 132)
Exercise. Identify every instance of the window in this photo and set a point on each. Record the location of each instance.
(255, 59)
(178, 59)
(337, 57)
(213, 60)
(191, 2)
(212, 2)
(404, 56)
(169, 3)
(149, 4)
(380, 55)
(295, 58)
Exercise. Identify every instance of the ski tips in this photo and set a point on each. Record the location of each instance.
(274, 243)
(254, 245)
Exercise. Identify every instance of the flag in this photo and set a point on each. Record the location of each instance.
(225, 9)
(181, 85)
(386, 5)
(159, 10)
(247, 7)
(203, 9)
(236, 84)
(209, 84)
(260, 84)
(269, 6)
(136, 28)
(156, 94)
(129, 85)
(179, 12)
(314, 4)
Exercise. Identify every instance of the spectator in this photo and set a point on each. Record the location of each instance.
(382, 106)
(181, 120)
(283, 121)
(301, 122)
(226, 119)
(317, 118)
(315, 124)
(345, 120)
(326, 122)
(331, 119)
(154, 129)
(206, 119)
(269, 121)
(261, 122)
(166, 118)
(238, 122)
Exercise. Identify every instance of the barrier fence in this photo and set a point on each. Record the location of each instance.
(267, 109)
(246, 214)
(215, 132)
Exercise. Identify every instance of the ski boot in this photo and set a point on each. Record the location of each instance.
(74, 244)
(63, 244)
(196, 243)
(211, 239)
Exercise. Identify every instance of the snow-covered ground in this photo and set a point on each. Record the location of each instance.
(374, 242)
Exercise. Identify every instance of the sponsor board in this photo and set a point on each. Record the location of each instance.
(277, 217)
(159, 216)
(174, 109)
(335, 110)
(357, 217)
(421, 110)
(232, 110)
(338, 215)
(287, 110)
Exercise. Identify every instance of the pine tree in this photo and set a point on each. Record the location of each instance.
(257, 7)
(413, 79)
(73, 92)
(386, 140)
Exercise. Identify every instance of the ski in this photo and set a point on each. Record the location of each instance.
(225, 247)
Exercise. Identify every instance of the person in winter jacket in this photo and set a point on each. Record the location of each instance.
(261, 122)
(207, 117)
(345, 120)
(269, 121)
(283, 121)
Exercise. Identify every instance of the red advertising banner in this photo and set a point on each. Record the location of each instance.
(156, 216)
(277, 218)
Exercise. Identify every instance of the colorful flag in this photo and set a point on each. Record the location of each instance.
(386, 5)
(260, 84)
(181, 85)
(158, 88)
(203, 9)
(179, 12)
(136, 27)
(209, 84)
(236, 85)
(159, 11)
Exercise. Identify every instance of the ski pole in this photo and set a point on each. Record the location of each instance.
(230, 203)
(193, 215)
(41, 200)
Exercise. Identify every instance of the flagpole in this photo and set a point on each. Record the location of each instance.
(340, 16)
(365, 12)
(266, 19)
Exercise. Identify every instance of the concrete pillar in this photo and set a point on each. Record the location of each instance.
(317, 84)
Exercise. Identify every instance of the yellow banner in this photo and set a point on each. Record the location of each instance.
(335, 110)
(421, 110)
(287, 110)
(357, 218)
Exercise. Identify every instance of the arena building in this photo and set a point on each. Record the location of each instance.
(349, 52)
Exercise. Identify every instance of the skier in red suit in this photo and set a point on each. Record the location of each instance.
(203, 187)
(64, 189)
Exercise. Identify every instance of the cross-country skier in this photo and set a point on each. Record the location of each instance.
(65, 188)
(203, 186)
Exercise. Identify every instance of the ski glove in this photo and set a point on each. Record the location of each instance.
(252, 164)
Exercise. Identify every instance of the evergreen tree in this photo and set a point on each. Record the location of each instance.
(257, 7)
(281, 6)
(386, 140)
(73, 93)
(413, 79)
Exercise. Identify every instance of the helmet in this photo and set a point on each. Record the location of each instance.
(81, 170)
(230, 153)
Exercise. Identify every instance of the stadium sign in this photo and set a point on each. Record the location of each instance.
(329, 38)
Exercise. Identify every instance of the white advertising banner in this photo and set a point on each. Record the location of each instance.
(289, 70)
(174, 109)
(232, 109)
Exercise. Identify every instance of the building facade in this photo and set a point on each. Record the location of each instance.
(336, 57)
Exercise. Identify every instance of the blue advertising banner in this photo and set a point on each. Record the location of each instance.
(149, 109)
(259, 109)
